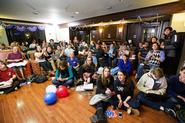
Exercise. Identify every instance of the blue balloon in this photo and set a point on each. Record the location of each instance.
(50, 98)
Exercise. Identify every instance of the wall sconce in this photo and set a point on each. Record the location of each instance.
(120, 29)
(100, 30)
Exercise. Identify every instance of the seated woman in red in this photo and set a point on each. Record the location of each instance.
(8, 77)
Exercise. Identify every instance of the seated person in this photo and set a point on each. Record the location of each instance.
(16, 57)
(62, 56)
(176, 88)
(141, 59)
(154, 58)
(73, 61)
(82, 54)
(124, 88)
(94, 59)
(87, 71)
(68, 50)
(49, 54)
(152, 87)
(64, 75)
(57, 55)
(123, 65)
(8, 77)
(40, 58)
(105, 87)
(33, 45)
(2, 46)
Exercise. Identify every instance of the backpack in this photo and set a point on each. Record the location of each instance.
(38, 78)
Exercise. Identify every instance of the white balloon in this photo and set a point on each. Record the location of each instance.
(51, 89)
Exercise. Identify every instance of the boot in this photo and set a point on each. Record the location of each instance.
(94, 119)
(100, 115)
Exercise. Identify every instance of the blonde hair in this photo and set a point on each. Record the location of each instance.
(157, 71)
(105, 81)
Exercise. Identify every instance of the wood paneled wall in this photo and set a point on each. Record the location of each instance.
(133, 31)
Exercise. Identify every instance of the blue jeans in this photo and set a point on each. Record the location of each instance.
(142, 97)
(64, 83)
(134, 103)
(140, 70)
(114, 71)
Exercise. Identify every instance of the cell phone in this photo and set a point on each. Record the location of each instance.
(120, 115)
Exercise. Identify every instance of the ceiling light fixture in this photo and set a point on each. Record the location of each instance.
(73, 24)
(77, 13)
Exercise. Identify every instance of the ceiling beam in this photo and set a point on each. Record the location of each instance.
(164, 9)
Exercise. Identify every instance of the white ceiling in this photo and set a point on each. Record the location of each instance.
(63, 11)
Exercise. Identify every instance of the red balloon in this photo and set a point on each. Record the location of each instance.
(62, 91)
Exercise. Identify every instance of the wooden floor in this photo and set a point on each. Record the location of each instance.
(26, 105)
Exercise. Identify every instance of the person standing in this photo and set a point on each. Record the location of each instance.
(170, 48)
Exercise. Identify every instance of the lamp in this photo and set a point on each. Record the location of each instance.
(120, 29)
(100, 30)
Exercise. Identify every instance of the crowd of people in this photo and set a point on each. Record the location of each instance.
(75, 62)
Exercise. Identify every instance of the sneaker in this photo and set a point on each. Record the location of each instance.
(135, 112)
(1, 92)
(94, 119)
(16, 88)
(170, 111)
(28, 82)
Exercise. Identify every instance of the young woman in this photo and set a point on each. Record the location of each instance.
(123, 65)
(64, 75)
(105, 88)
(49, 57)
(124, 88)
(40, 58)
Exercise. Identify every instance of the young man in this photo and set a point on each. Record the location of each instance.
(170, 49)
(176, 88)
(8, 77)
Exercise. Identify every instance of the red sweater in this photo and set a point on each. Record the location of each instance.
(7, 74)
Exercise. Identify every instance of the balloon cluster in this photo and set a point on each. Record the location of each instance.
(52, 93)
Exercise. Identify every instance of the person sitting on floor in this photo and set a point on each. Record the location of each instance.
(8, 78)
(124, 88)
(153, 59)
(87, 71)
(123, 65)
(49, 55)
(73, 61)
(40, 58)
(64, 75)
(152, 87)
(176, 88)
(104, 91)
